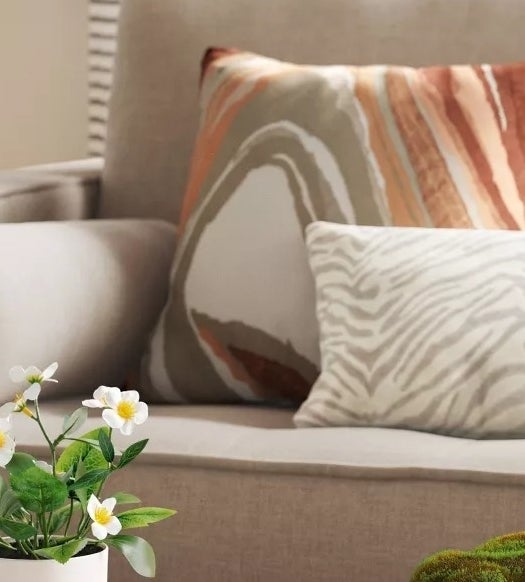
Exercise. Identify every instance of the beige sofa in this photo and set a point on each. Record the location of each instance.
(258, 500)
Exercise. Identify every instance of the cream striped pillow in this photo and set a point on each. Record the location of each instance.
(420, 328)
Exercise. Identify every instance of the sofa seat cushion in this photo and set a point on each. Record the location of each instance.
(232, 436)
(252, 493)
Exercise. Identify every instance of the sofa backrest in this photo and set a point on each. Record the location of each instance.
(154, 106)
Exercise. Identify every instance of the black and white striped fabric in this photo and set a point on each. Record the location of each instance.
(103, 22)
(420, 328)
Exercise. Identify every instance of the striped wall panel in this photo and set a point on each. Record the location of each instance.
(103, 18)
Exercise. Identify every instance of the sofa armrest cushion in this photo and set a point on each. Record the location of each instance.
(83, 293)
(61, 191)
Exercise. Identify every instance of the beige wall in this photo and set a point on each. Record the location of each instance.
(43, 81)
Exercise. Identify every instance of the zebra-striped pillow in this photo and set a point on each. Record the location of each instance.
(420, 329)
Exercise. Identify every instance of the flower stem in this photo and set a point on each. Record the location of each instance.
(69, 516)
(51, 446)
(43, 528)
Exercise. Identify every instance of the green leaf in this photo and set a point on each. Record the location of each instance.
(131, 452)
(137, 551)
(17, 530)
(39, 491)
(143, 516)
(89, 479)
(64, 552)
(9, 503)
(82, 495)
(125, 498)
(76, 451)
(74, 421)
(20, 463)
(106, 446)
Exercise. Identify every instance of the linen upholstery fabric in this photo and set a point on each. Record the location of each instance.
(366, 489)
(420, 328)
(85, 293)
(38, 196)
(88, 170)
(154, 106)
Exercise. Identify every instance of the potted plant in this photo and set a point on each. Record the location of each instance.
(55, 521)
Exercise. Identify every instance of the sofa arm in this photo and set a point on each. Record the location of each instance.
(65, 191)
(84, 293)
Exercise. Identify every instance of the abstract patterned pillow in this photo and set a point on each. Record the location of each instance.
(281, 146)
(420, 328)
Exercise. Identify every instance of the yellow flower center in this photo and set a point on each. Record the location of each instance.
(126, 410)
(102, 515)
(19, 402)
(2, 439)
(21, 405)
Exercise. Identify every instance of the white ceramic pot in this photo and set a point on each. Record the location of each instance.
(92, 568)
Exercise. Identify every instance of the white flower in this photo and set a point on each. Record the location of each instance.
(19, 404)
(104, 522)
(124, 410)
(33, 376)
(99, 398)
(7, 444)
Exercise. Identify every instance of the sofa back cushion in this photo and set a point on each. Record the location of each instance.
(154, 107)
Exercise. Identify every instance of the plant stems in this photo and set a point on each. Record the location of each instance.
(21, 547)
(51, 447)
(82, 441)
(5, 545)
(69, 516)
(35, 523)
(43, 527)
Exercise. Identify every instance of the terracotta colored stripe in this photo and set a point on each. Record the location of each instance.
(507, 219)
(488, 196)
(487, 130)
(436, 185)
(463, 175)
(403, 208)
(235, 368)
(208, 143)
(511, 85)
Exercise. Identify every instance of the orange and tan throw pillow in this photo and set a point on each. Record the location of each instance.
(283, 145)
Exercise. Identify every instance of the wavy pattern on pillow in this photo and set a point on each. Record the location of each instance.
(282, 145)
(445, 145)
(420, 329)
(241, 138)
